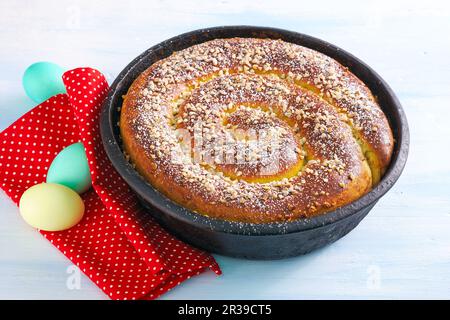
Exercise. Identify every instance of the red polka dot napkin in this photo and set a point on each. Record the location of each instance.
(117, 244)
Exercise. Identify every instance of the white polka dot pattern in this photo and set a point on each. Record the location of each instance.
(117, 244)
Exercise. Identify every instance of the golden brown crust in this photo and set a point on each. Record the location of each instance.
(325, 122)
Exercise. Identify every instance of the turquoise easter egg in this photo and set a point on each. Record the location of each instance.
(43, 80)
(70, 168)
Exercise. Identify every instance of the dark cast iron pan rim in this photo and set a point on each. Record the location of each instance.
(111, 139)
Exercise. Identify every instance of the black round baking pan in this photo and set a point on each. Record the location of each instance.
(254, 241)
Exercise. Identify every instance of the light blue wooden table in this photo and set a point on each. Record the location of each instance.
(401, 250)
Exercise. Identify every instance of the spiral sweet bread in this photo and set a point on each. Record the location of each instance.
(255, 130)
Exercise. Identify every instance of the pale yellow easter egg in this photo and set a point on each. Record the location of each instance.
(51, 207)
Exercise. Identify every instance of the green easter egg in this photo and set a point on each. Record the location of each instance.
(70, 168)
(43, 80)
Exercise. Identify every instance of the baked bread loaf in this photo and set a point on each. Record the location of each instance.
(255, 130)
